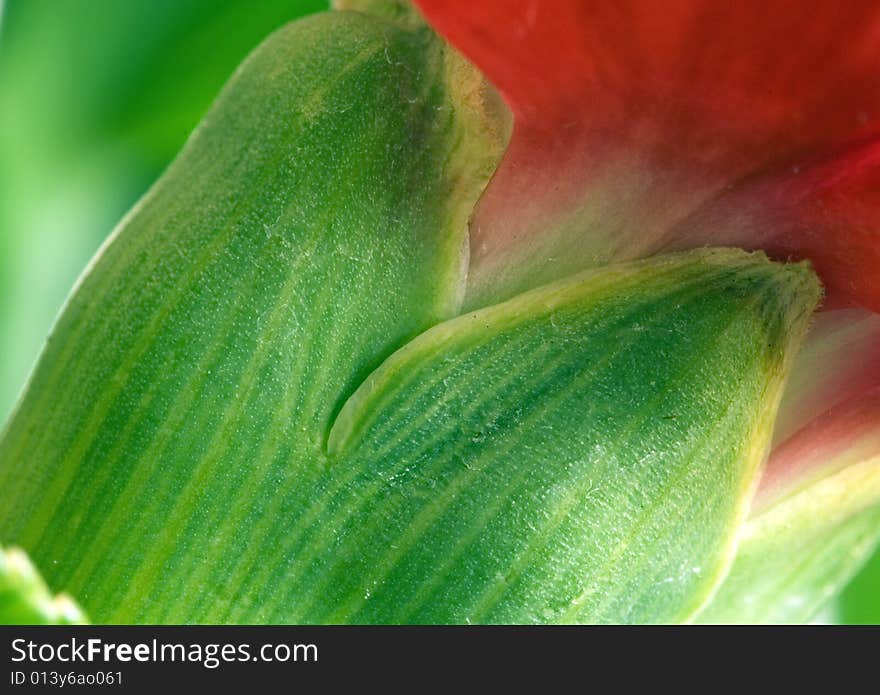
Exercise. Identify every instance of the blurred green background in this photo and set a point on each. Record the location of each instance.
(96, 97)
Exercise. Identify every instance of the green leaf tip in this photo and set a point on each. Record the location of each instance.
(488, 123)
(786, 316)
(26, 600)
(401, 12)
(583, 453)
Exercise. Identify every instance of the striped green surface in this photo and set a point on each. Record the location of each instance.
(314, 223)
(584, 452)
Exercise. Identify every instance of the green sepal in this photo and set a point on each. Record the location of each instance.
(583, 453)
(315, 221)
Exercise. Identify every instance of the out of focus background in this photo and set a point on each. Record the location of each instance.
(96, 97)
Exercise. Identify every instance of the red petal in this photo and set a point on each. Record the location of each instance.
(630, 114)
(827, 211)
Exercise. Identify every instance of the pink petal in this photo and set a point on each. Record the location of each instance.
(830, 415)
(846, 435)
(631, 114)
(839, 361)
